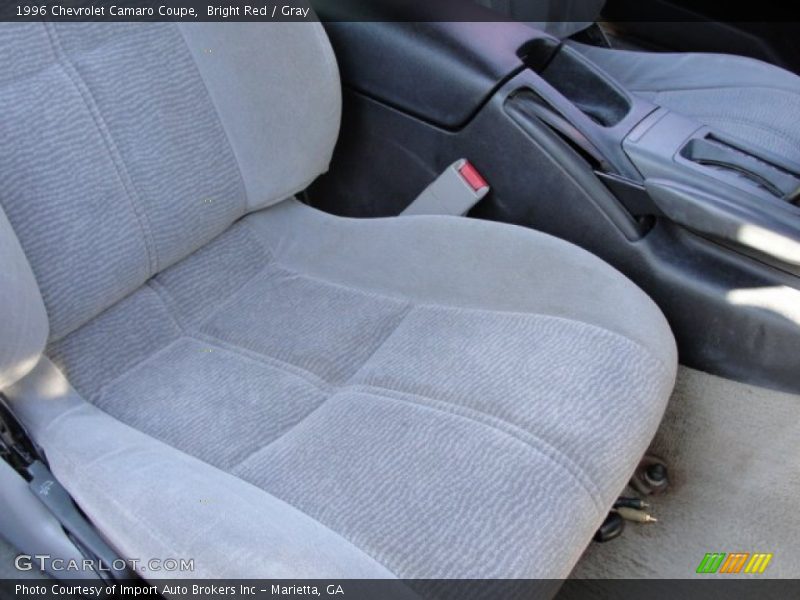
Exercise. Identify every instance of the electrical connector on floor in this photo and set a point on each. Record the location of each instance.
(637, 516)
(651, 476)
(629, 502)
(611, 528)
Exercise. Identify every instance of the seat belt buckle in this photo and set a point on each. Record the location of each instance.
(454, 192)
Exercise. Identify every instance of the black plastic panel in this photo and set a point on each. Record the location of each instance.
(592, 93)
(440, 72)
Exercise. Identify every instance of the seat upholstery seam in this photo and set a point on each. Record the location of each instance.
(125, 179)
(231, 298)
(258, 449)
(293, 270)
(93, 397)
(477, 417)
(198, 334)
(401, 317)
(309, 377)
(260, 239)
(242, 187)
(168, 299)
(58, 418)
(467, 310)
(184, 332)
(101, 391)
(167, 302)
(269, 361)
(498, 424)
(332, 388)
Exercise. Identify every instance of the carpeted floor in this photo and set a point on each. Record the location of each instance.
(733, 452)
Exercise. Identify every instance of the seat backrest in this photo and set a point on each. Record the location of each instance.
(128, 146)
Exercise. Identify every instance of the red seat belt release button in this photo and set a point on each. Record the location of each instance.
(454, 192)
(470, 174)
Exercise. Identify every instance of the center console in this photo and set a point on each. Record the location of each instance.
(695, 218)
(662, 164)
(723, 188)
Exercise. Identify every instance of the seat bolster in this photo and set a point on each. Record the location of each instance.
(154, 501)
(281, 117)
(23, 319)
(466, 263)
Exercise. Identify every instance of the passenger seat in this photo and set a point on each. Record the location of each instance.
(217, 371)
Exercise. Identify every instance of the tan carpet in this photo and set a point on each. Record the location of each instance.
(733, 452)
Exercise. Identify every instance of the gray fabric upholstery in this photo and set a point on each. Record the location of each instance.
(448, 416)
(151, 500)
(745, 98)
(23, 321)
(282, 120)
(308, 395)
(431, 260)
(159, 165)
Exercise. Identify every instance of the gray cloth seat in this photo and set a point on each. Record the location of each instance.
(742, 97)
(232, 376)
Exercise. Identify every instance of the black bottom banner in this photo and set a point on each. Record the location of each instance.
(439, 589)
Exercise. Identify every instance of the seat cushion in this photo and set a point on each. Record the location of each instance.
(450, 397)
(745, 98)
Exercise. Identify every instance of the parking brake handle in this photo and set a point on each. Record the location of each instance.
(708, 151)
